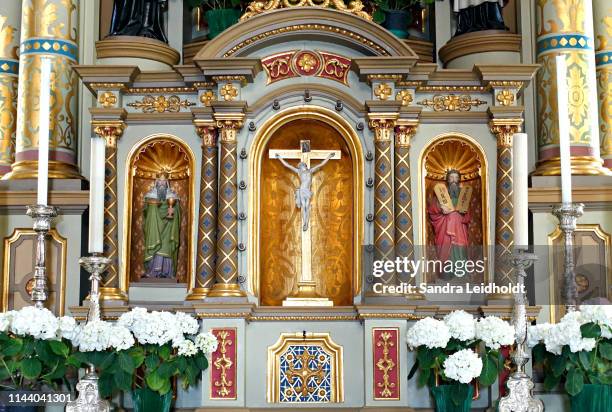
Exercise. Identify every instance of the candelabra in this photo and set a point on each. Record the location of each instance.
(42, 216)
(89, 396)
(520, 385)
(568, 214)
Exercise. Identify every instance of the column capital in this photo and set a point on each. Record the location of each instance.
(404, 131)
(207, 130)
(109, 130)
(505, 129)
(382, 124)
(229, 124)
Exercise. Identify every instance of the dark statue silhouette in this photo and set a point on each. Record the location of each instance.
(142, 18)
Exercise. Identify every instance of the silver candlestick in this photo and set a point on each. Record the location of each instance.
(42, 216)
(568, 214)
(89, 395)
(520, 385)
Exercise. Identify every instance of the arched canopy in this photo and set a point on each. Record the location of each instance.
(326, 25)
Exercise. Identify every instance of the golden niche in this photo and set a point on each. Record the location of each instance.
(332, 218)
(159, 212)
(445, 159)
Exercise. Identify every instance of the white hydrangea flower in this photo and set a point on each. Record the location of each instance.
(536, 333)
(428, 332)
(461, 325)
(601, 315)
(187, 324)
(494, 332)
(68, 328)
(187, 348)
(121, 338)
(463, 366)
(567, 332)
(38, 323)
(206, 342)
(5, 320)
(93, 336)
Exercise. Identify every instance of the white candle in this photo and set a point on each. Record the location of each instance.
(520, 183)
(96, 195)
(564, 130)
(43, 131)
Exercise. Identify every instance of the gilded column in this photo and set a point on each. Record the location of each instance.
(602, 19)
(504, 130)
(110, 285)
(207, 219)
(10, 22)
(383, 124)
(226, 267)
(566, 27)
(404, 240)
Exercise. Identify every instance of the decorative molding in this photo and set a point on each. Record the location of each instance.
(451, 89)
(160, 90)
(161, 104)
(385, 355)
(137, 47)
(292, 64)
(258, 7)
(452, 103)
(224, 365)
(230, 78)
(480, 42)
(383, 91)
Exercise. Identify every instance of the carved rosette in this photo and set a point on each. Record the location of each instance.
(385, 346)
(404, 241)
(306, 63)
(207, 218)
(226, 269)
(110, 132)
(224, 365)
(504, 130)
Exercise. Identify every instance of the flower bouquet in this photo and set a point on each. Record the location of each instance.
(578, 352)
(143, 352)
(34, 348)
(453, 352)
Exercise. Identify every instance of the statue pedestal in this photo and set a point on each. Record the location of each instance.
(147, 54)
(481, 47)
(307, 296)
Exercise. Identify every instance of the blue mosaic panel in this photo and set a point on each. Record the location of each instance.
(313, 367)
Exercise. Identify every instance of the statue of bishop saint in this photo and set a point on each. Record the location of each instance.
(162, 225)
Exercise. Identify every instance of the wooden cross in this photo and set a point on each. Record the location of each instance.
(306, 285)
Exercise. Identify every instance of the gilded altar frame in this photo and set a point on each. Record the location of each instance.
(484, 195)
(127, 209)
(256, 156)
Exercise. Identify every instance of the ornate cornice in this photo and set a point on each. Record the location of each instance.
(160, 90)
(229, 124)
(258, 7)
(505, 129)
(110, 131)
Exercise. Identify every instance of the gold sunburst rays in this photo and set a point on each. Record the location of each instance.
(161, 156)
(453, 154)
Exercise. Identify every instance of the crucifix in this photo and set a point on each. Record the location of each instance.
(306, 295)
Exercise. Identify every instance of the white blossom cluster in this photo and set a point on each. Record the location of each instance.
(206, 342)
(494, 332)
(35, 322)
(463, 366)
(100, 336)
(428, 332)
(567, 331)
(461, 325)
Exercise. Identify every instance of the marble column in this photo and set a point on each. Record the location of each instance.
(207, 218)
(49, 30)
(602, 21)
(10, 22)
(504, 130)
(226, 267)
(383, 125)
(404, 240)
(566, 27)
(110, 285)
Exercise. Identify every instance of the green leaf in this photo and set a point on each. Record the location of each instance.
(13, 347)
(155, 381)
(31, 368)
(202, 363)
(605, 348)
(585, 360)
(126, 363)
(379, 16)
(558, 365)
(551, 381)
(164, 352)
(424, 377)
(106, 385)
(123, 380)
(166, 369)
(76, 359)
(574, 382)
(425, 357)
(166, 387)
(590, 330)
(59, 348)
(107, 361)
(151, 361)
(56, 372)
(539, 353)
(489, 370)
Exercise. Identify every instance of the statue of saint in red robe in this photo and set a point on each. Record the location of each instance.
(450, 217)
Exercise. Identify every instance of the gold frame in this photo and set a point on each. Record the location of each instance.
(397, 366)
(323, 339)
(255, 161)
(124, 281)
(15, 236)
(484, 196)
(235, 382)
(557, 233)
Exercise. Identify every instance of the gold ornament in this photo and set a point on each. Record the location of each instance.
(207, 97)
(505, 97)
(107, 99)
(404, 96)
(452, 103)
(229, 92)
(383, 91)
(307, 62)
(161, 104)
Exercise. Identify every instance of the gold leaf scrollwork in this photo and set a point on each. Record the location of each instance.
(505, 97)
(161, 104)
(385, 364)
(259, 6)
(109, 131)
(404, 96)
(107, 99)
(8, 41)
(223, 363)
(279, 67)
(229, 92)
(383, 91)
(452, 103)
(305, 373)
